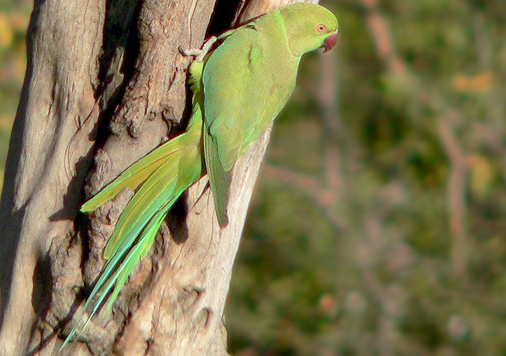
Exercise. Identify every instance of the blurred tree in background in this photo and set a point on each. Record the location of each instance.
(378, 226)
(14, 16)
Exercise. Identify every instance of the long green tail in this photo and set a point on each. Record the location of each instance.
(160, 178)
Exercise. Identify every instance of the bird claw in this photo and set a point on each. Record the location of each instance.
(199, 54)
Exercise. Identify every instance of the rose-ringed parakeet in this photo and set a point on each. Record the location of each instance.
(238, 88)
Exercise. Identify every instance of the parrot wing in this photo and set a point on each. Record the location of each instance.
(244, 89)
(227, 78)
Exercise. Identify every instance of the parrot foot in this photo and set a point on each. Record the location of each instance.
(199, 53)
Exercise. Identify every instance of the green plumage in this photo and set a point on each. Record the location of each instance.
(239, 89)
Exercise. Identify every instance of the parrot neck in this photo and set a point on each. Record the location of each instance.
(284, 31)
(277, 30)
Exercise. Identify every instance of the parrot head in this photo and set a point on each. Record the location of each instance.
(308, 27)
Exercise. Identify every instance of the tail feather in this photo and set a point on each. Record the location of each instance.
(122, 261)
(133, 176)
(163, 176)
(115, 274)
(158, 189)
(138, 252)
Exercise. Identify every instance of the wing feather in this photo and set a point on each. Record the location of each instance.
(219, 179)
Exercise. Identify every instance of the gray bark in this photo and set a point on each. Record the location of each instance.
(96, 64)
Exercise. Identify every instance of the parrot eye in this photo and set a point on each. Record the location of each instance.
(321, 28)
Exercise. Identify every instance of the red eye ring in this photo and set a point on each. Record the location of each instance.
(321, 28)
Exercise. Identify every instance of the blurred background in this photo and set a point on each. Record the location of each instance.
(378, 224)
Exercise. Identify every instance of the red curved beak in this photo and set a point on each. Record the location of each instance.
(330, 42)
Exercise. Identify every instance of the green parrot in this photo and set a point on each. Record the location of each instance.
(238, 88)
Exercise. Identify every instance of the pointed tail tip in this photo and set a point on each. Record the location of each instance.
(223, 220)
(88, 207)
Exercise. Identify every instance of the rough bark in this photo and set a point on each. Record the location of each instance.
(94, 65)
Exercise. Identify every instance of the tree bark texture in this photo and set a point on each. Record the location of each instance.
(105, 83)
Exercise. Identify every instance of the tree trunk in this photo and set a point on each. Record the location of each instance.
(96, 65)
